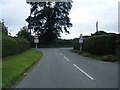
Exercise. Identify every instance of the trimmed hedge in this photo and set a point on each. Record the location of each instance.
(23, 44)
(100, 44)
(11, 46)
(76, 44)
(63, 42)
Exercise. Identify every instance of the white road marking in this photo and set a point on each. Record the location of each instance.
(67, 59)
(57, 50)
(83, 72)
(61, 54)
(77, 67)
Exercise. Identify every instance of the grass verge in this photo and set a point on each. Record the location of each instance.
(14, 67)
(107, 58)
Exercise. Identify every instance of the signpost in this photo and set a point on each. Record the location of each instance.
(36, 40)
(81, 41)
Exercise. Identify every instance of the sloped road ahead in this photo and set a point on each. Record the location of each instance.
(61, 68)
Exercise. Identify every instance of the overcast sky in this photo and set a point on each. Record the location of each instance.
(84, 14)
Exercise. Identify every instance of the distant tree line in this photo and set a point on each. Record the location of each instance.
(12, 45)
(3, 28)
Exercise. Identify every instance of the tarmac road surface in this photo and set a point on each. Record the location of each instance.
(61, 68)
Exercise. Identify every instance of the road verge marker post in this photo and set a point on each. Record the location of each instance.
(81, 41)
(36, 41)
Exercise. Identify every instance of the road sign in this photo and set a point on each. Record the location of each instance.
(80, 40)
(81, 36)
(36, 36)
(36, 40)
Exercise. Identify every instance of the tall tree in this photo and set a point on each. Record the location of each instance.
(3, 28)
(49, 19)
(23, 33)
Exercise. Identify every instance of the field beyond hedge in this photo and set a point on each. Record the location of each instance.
(14, 67)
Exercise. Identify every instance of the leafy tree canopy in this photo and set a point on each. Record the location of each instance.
(23, 33)
(49, 18)
(3, 28)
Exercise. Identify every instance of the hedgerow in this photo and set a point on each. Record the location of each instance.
(11, 46)
(99, 44)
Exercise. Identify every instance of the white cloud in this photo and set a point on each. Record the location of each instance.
(14, 14)
(83, 14)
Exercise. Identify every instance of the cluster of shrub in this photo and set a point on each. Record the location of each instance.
(11, 45)
(105, 45)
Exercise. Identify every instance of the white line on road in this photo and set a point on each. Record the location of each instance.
(83, 72)
(67, 59)
(77, 67)
(61, 54)
(57, 50)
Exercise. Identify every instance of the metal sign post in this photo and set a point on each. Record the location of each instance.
(81, 41)
(36, 40)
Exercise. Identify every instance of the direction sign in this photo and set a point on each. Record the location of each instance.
(36, 40)
(81, 36)
(80, 40)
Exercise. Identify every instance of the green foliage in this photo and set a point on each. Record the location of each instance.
(15, 66)
(76, 44)
(57, 43)
(11, 46)
(23, 33)
(99, 33)
(23, 44)
(3, 28)
(50, 20)
(109, 58)
(86, 54)
(100, 44)
(118, 40)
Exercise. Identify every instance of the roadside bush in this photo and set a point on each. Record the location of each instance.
(23, 44)
(109, 58)
(76, 44)
(101, 45)
(86, 54)
(11, 46)
(118, 42)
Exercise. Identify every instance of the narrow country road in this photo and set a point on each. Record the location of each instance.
(61, 68)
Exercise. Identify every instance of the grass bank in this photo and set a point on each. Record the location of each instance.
(107, 58)
(14, 67)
